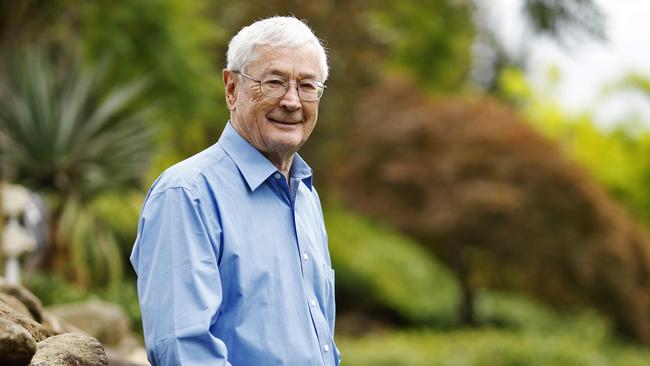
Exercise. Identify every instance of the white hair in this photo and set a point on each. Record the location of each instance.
(276, 32)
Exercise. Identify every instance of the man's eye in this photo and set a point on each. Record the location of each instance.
(308, 85)
(274, 82)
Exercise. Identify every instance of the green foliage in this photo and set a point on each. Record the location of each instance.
(27, 20)
(619, 158)
(565, 22)
(69, 133)
(90, 250)
(119, 212)
(532, 335)
(172, 42)
(634, 81)
(455, 174)
(377, 267)
(432, 39)
(562, 19)
(488, 347)
(62, 133)
(510, 311)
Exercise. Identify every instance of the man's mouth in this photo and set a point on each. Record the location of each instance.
(283, 122)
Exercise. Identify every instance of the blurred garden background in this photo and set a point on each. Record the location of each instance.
(474, 217)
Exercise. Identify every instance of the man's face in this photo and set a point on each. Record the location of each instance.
(276, 126)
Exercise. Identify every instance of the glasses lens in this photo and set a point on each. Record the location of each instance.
(276, 86)
(310, 90)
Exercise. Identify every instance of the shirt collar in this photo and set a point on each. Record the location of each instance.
(254, 166)
(300, 170)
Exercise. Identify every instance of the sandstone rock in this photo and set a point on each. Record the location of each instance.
(56, 325)
(138, 357)
(133, 356)
(25, 296)
(70, 349)
(37, 331)
(15, 304)
(16, 344)
(118, 359)
(105, 321)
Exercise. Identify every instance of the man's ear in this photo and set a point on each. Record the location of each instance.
(230, 86)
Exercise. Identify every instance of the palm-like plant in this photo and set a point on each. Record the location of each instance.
(68, 133)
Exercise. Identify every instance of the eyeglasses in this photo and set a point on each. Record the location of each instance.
(275, 86)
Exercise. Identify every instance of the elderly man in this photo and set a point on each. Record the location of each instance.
(231, 254)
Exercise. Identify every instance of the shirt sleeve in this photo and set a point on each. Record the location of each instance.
(179, 287)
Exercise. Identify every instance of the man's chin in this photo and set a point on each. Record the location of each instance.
(285, 142)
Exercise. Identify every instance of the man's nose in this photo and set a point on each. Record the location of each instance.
(291, 100)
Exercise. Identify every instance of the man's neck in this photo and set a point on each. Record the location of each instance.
(283, 163)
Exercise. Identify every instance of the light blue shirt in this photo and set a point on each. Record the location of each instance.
(232, 263)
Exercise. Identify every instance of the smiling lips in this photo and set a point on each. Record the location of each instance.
(283, 122)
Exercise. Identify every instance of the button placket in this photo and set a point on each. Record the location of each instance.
(310, 264)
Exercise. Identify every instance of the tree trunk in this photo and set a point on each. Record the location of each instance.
(55, 255)
(467, 314)
(2, 221)
(50, 259)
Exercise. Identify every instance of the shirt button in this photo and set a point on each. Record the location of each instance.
(312, 302)
(305, 256)
(326, 348)
(277, 175)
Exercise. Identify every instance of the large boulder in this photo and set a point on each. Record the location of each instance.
(15, 304)
(70, 349)
(30, 301)
(56, 325)
(25, 328)
(105, 321)
(16, 344)
(37, 331)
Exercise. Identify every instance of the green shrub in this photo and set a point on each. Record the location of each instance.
(486, 347)
(518, 313)
(377, 268)
(519, 332)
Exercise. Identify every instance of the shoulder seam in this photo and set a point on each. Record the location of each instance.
(170, 188)
(222, 158)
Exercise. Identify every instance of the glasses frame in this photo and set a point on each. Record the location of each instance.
(321, 84)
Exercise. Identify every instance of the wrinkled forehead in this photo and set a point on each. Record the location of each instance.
(299, 62)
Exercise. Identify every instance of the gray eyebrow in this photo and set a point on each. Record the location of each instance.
(277, 72)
